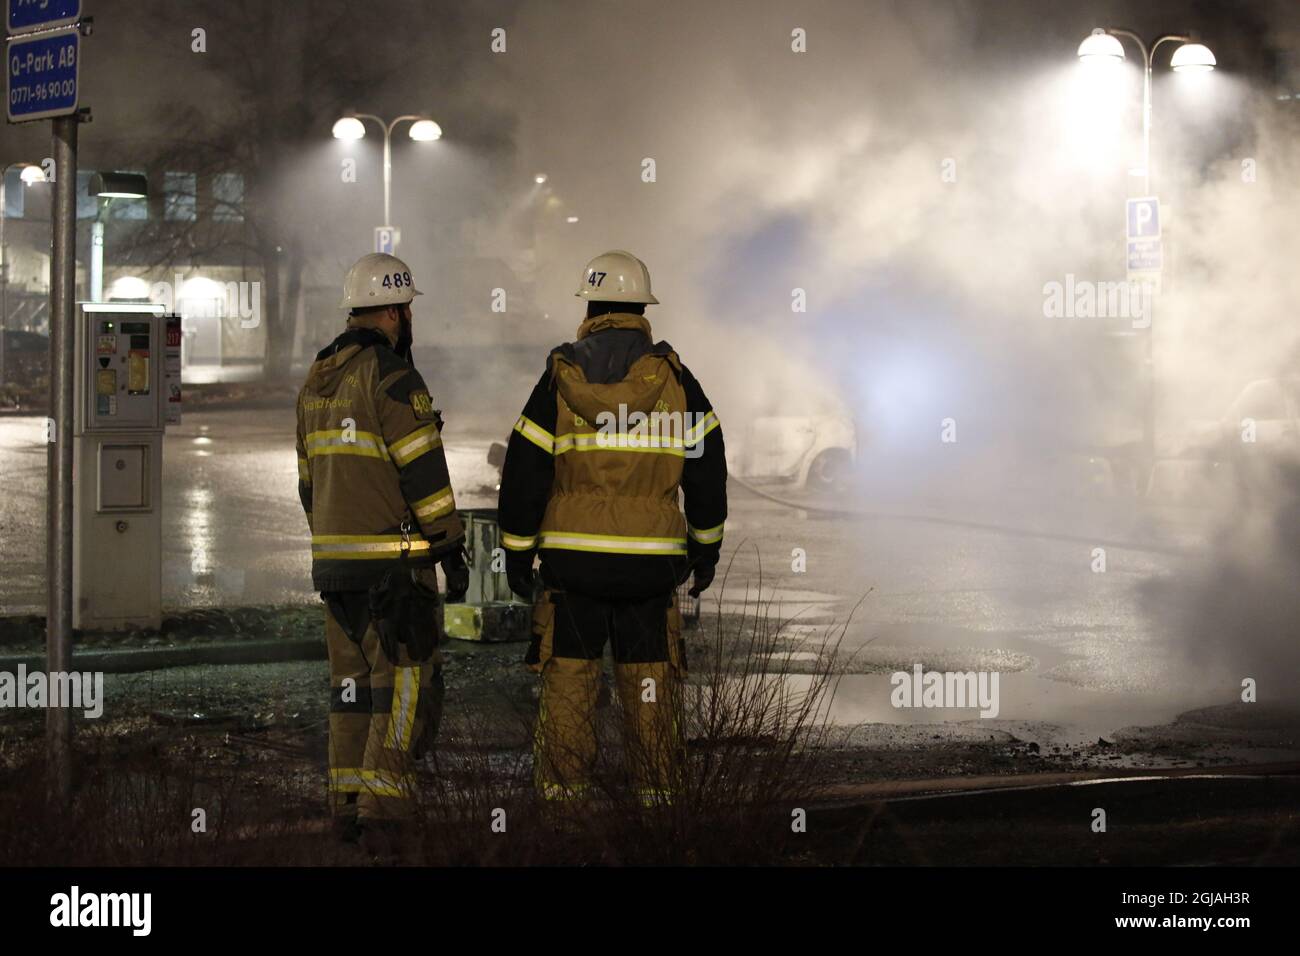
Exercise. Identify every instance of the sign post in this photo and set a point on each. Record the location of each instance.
(1145, 264)
(43, 70)
(58, 551)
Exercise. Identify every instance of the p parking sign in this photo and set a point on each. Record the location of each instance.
(386, 239)
(1144, 247)
(1143, 218)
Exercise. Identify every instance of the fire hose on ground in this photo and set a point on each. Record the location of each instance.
(838, 512)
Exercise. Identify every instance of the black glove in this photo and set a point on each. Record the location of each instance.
(456, 572)
(703, 578)
(404, 610)
(520, 574)
(702, 559)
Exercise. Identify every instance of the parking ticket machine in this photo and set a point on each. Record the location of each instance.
(120, 410)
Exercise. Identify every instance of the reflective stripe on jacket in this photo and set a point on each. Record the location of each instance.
(370, 461)
(612, 431)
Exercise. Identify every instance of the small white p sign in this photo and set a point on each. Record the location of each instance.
(1144, 218)
(386, 239)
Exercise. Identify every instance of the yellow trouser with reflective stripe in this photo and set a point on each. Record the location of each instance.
(564, 744)
(564, 741)
(382, 717)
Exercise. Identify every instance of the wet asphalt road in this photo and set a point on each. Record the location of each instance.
(233, 532)
(1072, 646)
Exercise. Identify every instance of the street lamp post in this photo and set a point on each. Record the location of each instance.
(106, 187)
(1191, 57)
(1104, 45)
(423, 129)
(31, 173)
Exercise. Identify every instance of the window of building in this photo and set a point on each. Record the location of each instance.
(87, 204)
(14, 198)
(180, 197)
(228, 197)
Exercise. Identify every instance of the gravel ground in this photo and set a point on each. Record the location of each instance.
(490, 691)
(264, 726)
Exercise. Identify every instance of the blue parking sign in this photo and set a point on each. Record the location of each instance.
(43, 72)
(1143, 218)
(27, 15)
(386, 239)
(1145, 255)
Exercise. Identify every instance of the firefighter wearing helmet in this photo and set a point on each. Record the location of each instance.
(614, 429)
(373, 481)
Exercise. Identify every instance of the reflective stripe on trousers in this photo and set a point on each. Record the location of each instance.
(379, 715)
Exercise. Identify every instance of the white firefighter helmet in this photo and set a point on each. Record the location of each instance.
(378, 279)
(616, 276)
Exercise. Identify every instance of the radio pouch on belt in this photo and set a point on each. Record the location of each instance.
(405, 610)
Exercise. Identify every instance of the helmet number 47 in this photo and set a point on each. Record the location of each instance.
(596, 278)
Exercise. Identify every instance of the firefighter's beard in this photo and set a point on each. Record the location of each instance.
(405, 339)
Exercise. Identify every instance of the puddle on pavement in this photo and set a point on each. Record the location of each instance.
(1084, 715)
(794, 657)
(778, 605)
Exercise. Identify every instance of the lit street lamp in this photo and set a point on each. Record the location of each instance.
(423, 130)
(107, 187)
(30, 175)
(1103, 46)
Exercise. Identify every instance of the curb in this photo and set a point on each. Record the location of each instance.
(134, 660)
(896, 791)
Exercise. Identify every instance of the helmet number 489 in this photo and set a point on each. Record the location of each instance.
(396, 280)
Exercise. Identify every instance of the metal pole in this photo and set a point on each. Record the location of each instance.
(1149, 361)
(388, 157)
(4, 272)
(1149, 425)
(1147, 56)
(58, 555)
(1146, 127)
(97, 261)
(1149, 419)
(388, 174)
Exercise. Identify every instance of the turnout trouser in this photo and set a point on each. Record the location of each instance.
(569, 635)
(383, 714)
